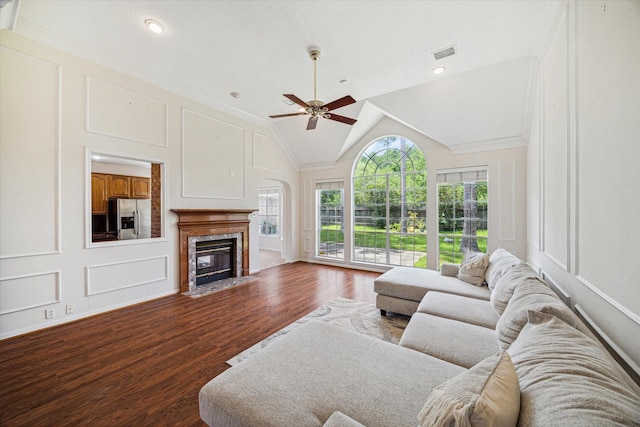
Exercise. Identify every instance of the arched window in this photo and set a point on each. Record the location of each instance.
(390, 204)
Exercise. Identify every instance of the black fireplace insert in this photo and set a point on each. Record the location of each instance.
(215, 260)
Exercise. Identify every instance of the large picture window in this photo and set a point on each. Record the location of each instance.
(330, 219)
(269, 211)
(390, 204)
(462, 213)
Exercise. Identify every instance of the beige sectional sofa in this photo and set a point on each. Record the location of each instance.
(509, 352)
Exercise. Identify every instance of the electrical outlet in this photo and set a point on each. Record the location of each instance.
(70, 309)
(50, 313)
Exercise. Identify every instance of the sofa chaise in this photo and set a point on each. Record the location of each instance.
(503, 350)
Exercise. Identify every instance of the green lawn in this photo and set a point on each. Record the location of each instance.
(371, 237)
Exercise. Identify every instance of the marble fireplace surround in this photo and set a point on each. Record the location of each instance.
(196, 225)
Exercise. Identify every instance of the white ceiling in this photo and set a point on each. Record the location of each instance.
(383, 49)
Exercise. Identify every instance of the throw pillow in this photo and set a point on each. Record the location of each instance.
(533, 294)
(488, 394)
(567, 379)
(449, 269)
(473, 268)
(505, 286)
(500, 262)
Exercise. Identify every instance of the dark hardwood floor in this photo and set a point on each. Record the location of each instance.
(145, 364)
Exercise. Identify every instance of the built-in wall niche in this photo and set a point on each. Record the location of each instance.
(125, 199)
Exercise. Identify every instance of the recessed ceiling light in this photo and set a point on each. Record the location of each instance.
(154, 26)
(438, 70)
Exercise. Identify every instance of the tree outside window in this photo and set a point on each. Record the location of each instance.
(462, 213)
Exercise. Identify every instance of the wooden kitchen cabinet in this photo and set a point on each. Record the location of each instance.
(140, 188)
(98, 193)
(118, 186)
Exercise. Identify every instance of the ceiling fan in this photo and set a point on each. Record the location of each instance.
(316, 108)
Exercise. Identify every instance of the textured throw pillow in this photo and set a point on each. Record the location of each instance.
(473, 268)
(567, 379)
(488, 394)
(533, 294)
(505, 286)
(500, 262)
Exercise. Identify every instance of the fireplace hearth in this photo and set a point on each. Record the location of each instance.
(214, 245)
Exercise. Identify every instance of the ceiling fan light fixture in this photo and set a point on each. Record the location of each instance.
(154, 26)
(314, 108)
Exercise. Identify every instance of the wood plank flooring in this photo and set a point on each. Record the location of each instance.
(145, 364)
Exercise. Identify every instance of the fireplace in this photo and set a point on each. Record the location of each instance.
(214, 245)
(214, 260)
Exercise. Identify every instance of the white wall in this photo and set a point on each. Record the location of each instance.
(54, 109)
(507, 187)
(583, 156)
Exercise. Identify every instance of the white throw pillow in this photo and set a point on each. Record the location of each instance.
(500, 262)
(568, 379)
(532, 294)
(473, 267)
(488, 394)
(505, 286)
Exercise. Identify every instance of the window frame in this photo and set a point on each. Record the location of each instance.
(383, 234)
(456, 178)
(338, 252)
(265, 192)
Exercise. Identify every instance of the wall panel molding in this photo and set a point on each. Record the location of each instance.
(120, 112)
(306, 205)
(31, 93)
(506, 200)
(622, 309)
(213, 158)
(555, 160)
(29, 291)
(103, 278)
(260, 150)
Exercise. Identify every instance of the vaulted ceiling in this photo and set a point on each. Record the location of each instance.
(379, 52)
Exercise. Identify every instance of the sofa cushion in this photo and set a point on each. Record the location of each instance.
(469, 310)
(456, 342)
(303, 377)
(396, 305)
(501, 294)
(413, 283)
(500, 262)
(532, 295)
(488, 394)
(567, 379)
(473, 267)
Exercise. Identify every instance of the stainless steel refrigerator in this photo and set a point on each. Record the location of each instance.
(130, 218)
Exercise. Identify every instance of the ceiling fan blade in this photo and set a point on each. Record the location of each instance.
(288, 115)
(313, 121)
(342, 119)
(295, 99)
(345, 100)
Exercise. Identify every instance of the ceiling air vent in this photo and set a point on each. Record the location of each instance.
(443, 53)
